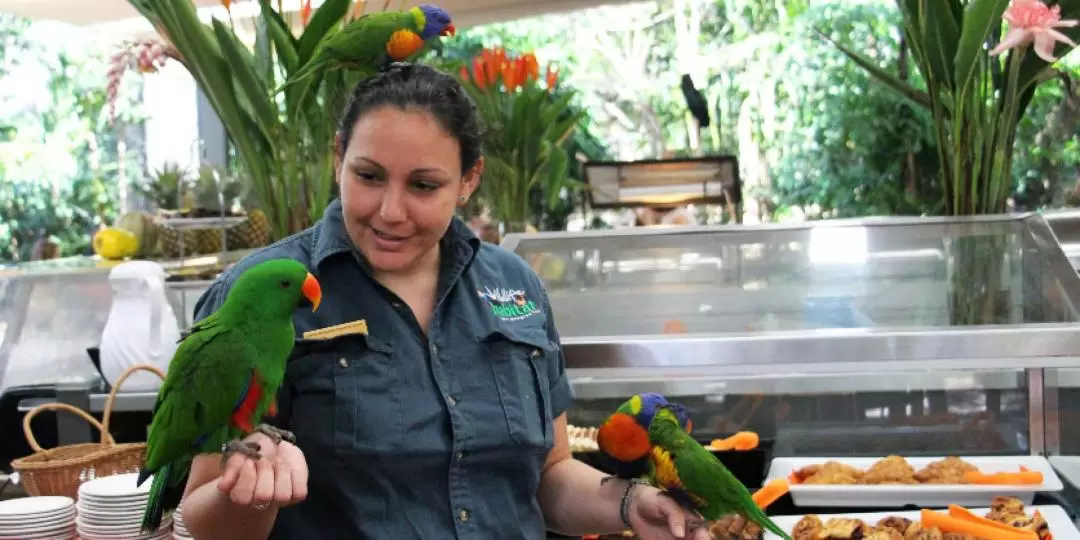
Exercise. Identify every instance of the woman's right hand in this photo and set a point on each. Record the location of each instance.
(279, 478)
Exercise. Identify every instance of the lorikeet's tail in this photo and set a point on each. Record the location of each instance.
(757, 515)
(165, 495)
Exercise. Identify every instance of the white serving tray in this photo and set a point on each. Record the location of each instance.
(924, 495)
(1061, 526)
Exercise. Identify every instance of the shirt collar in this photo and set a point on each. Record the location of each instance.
(459, 245)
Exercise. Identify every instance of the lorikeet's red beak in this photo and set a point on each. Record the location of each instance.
(622, 438)
(312, 291)
(449, 31)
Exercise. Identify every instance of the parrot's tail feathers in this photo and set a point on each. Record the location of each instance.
(151, 520)
(144, 473)
(758, 516)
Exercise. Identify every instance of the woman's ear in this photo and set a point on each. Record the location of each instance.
(471, 181)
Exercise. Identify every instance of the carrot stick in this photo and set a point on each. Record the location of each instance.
(950, 524)
(1004, 478)
(769, 493)
(743, 440)
(959, 512)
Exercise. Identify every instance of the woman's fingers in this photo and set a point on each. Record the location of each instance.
(298, 470)
(264, 482)
(244, 490)
(283, 483)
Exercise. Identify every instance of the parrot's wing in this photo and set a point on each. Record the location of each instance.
(208, 378)
(707, 479)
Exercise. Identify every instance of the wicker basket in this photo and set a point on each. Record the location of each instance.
(61, 470)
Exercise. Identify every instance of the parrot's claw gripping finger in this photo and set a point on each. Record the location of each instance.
(236, 446)
(693, 524)
(276, 434)
(606, 479)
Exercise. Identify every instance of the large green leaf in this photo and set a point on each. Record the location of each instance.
(980, 19)
(326, 17)
(241, 68)
(892, 81)
(940, 35)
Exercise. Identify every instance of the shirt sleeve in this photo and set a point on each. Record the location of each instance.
(562, 396)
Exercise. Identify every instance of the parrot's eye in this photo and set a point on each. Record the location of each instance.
(285, 284)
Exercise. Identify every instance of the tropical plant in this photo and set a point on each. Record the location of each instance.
(528, 125)
(283, 141)
(975, 98)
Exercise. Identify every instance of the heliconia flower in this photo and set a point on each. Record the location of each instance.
(1034, 21)
(479, 77)
(227, 4)
(146, 56)
(305, 12)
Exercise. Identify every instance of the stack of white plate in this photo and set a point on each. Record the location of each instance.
(180, 531)
(111, 507)
(37, 518)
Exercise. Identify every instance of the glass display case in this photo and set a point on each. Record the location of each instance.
(930, 336)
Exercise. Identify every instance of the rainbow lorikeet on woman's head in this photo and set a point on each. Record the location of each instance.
(378, 39)
(623, 438)
(695, 477)
(223, 379)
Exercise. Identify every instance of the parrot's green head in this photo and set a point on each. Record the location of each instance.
(433, 21)
(665, 426)
(274, 288)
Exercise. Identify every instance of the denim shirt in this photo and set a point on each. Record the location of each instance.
(408, 436)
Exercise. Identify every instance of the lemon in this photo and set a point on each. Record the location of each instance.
(113, 243)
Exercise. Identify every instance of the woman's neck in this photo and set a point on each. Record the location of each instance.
(423, 269)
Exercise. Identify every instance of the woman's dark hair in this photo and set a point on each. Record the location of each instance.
(416, 86)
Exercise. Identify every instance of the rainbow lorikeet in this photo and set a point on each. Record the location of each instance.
(376, 39)
(223, 379)
(623, 438)
(696, 478)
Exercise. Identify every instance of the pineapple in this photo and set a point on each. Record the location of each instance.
(253, 233)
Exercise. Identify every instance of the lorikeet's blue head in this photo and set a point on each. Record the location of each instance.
(437, 22)
(624, 436)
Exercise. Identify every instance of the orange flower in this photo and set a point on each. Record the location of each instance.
(305, 12)
(358, 9)
(532, 67)
(478, 73)
(552, 78)
(227, 4)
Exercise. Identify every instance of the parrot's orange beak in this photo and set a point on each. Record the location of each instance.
(312, 291)
(449, 31)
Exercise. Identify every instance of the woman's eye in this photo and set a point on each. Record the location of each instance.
(425, 186)
(367, 176)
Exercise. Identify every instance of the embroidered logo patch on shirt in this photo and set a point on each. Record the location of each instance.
(508, 304)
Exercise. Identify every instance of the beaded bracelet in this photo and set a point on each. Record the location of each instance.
(624, 505)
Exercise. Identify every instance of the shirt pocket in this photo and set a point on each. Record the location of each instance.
(518, 358)
(346, 395)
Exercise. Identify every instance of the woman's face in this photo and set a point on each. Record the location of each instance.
(400, 181)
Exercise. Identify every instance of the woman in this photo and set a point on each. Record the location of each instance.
(447, 420)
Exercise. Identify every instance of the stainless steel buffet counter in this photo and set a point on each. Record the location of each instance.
(823, 327)
(816, 335)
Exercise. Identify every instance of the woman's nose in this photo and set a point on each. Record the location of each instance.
(392, 208)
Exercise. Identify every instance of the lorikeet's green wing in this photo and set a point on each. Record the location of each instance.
(360, 44)
(209, 377)
(706, 479)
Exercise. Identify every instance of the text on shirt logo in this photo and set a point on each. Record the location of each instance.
(508, 304)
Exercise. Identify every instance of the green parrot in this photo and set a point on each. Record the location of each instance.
(696, 478)
(376, 39)
(223, 379)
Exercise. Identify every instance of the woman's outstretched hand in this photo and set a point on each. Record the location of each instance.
(655, 516)
(279, 478)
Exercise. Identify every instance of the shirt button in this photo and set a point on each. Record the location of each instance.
(451, 400)
(536, 353)
(463, 515)
(460, 455)
(434, 350)
(343, 362)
